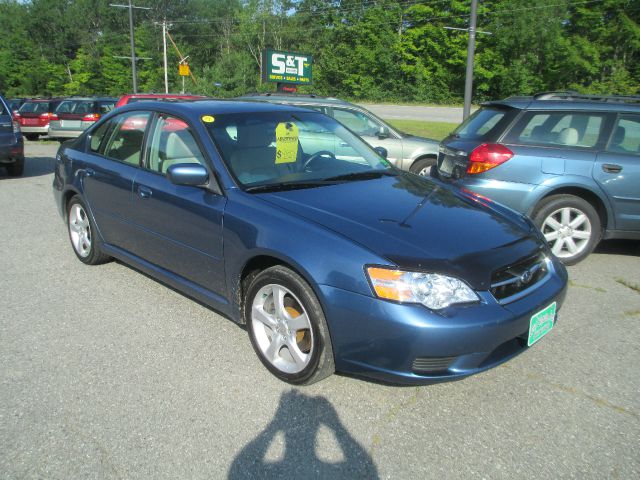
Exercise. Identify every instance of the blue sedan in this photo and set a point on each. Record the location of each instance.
(284, 221)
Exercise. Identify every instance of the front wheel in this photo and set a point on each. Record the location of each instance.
(82, 233)
(423, 166)
(287, 327)
(571, 226)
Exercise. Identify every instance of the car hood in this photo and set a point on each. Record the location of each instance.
(419, 224)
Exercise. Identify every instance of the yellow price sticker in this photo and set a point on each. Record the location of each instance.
(208, 119)
(286, 142)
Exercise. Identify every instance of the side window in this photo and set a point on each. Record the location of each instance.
(356, 121)
(97, 136)
(172, 142)
(626, 135)
(125, 141)
(569, 129)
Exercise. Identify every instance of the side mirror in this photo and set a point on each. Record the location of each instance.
(383, 132)
(190, 174)
(381, 151)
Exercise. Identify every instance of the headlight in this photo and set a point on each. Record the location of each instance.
(433, 290)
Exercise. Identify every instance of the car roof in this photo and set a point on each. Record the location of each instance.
(294, 97)
(161, 95)
(577, 104)
(207, 107)
(95, 99)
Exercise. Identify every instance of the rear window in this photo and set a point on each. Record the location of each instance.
(34, 107)
(106, 107)
(75, 107)
(484, 123)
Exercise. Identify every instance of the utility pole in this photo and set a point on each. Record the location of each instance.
(471, 50)
(164, 51)
(134, 73)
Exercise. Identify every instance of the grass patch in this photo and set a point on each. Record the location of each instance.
(633, 286)
(435, 130)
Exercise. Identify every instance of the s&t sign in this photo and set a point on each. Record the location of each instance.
(286, 67)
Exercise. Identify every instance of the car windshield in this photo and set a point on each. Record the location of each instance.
(483, 123)
(278, 150)
(34, 107)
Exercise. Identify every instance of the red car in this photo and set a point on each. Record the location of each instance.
(34, 116)
(147, 97)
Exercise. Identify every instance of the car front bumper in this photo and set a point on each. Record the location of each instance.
(410, 344)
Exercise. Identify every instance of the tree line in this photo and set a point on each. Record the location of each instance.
(377, 50)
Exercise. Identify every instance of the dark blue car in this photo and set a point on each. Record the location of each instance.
(284, 221)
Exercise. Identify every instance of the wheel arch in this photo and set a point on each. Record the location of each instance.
(260, 262)
(594, 199)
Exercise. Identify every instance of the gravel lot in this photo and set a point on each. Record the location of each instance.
(106, 373)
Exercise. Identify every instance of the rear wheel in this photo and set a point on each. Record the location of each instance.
(571, 226)
(423, 166)
(287, 327)
(82, 234)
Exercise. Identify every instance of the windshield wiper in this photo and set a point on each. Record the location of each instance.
(368, 175)
(279, 187)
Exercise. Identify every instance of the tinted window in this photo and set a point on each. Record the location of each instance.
(105, 107)
(356, 121)
(572, 129)
(34, 107)
(125, 140)
(626, 135)
(172, 142)
(484, 123)
(75, 107)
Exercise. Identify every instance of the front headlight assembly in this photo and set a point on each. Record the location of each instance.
(433, 290)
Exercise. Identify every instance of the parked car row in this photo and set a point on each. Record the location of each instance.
(65, 118)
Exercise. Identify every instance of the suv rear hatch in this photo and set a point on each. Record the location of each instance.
(35, 113)
(471, 148)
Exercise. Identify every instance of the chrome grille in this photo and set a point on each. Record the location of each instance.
(515, 281)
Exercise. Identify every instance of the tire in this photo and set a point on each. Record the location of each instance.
(571, 226)
(423, 166)
(16, 168)
(31, 136)
(292, 341)
(82, 234)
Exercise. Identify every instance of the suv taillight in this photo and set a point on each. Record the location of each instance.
(487, 156)
(49, 116)
(91, 117)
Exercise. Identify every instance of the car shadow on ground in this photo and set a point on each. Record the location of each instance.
(619, 247)
(297, 423)
(33, 167)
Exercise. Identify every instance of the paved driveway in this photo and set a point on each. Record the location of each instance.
(106, 373)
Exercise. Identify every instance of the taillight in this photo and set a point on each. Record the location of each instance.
(49, 116)
(487, 156)
(16, 115)
(91, 117)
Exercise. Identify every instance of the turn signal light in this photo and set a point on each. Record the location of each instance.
(487, 156)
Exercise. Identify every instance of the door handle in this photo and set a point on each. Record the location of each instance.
(89, 172)
(611, 168)
(144, 192)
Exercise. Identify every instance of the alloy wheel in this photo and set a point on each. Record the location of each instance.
(80, 230)
(567, 230)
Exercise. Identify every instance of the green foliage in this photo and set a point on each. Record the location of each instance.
(380, 50)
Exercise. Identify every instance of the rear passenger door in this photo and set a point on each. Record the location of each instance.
(617, 171)
(179, 227)
(107, 170)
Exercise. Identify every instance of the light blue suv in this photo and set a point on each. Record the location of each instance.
(571, 162)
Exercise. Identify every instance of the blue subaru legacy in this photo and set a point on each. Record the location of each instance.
(287, 223)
